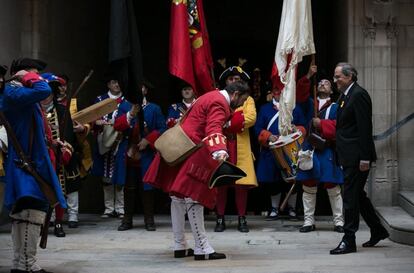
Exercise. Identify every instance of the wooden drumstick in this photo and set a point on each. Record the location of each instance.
(285, 201)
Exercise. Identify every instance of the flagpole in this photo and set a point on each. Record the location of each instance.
(212, 76)
(315, 101)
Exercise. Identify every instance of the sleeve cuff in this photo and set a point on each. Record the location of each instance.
(152, 137)
(263, 137)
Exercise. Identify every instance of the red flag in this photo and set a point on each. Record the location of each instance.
(190, 54)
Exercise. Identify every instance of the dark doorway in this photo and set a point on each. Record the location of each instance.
(237, 28)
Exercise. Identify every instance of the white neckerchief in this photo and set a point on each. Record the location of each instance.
(188, 104)
(226, 95)
(144, 102)
(349, 87)
(276, 103)
(112, 96)
(322, 102)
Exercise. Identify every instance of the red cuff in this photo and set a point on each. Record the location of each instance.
(121, 123)
(237, 123)
(216, 142)
(152, 137)
(30, 78)
(66, 156)
(171, 122)
(328, 129)
(263, 137)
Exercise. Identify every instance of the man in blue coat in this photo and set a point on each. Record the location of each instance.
(268, 171)
(28, 205)
(137, 149)
(325, 167)
(108, 163)
(177, 110)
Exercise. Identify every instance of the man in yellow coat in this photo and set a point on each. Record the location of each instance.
(241, 154)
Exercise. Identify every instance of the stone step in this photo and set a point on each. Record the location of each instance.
(399, 224)
(406, 201)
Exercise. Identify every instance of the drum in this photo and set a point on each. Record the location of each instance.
(286, 150)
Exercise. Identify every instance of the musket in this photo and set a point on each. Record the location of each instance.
(23, 162)
(62, 124)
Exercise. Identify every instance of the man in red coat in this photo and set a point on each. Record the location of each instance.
(187, 183)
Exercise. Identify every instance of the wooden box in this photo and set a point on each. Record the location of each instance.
(95, 111)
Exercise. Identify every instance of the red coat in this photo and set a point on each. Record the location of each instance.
(205, 123)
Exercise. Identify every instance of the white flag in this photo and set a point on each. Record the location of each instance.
(295, 38)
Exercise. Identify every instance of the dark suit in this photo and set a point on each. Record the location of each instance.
(354, 142)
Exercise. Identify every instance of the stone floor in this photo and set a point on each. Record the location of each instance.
(96, 246)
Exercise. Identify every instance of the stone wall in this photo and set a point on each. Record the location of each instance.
(405, 93)
(379, 46)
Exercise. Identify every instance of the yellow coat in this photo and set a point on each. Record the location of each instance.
(245, 156)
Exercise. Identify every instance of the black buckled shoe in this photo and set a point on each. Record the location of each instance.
(242, 227)
(273, 214)
(343, 248)
(307, 228)
(125, 226)
(211, 256)
(150, 227)
(292, 214)
(72, 224)
(183, 253)
(220, 224)
(59, 232)
(339, 229)
(373, 241)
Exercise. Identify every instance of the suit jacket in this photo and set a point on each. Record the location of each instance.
(354, 141)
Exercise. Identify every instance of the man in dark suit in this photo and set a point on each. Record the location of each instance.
(356, 150)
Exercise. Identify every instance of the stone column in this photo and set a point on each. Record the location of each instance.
(372, 49)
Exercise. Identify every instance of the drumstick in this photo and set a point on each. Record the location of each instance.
(282, 207)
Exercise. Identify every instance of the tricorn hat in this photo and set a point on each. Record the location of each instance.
(26, 63)
(148, 84)
(226, 174)
(234, 71)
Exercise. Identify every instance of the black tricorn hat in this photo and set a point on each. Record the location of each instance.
(3, 70)
(109, 76)
(26, 63)
(233, 71)
(148, 84)
(226, 174)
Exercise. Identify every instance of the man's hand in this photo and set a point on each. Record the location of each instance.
(142, 144)
(134, 110)
(316, 122)
(101, 122)
(363, 165)
(77, 127)
(20, 74)
(273, 138)
(220, 155)
(312, 71)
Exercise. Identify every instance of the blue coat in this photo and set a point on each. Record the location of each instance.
(267, 169)
(153, 121)
(173, 111)
(325, 169)
(20, 105)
